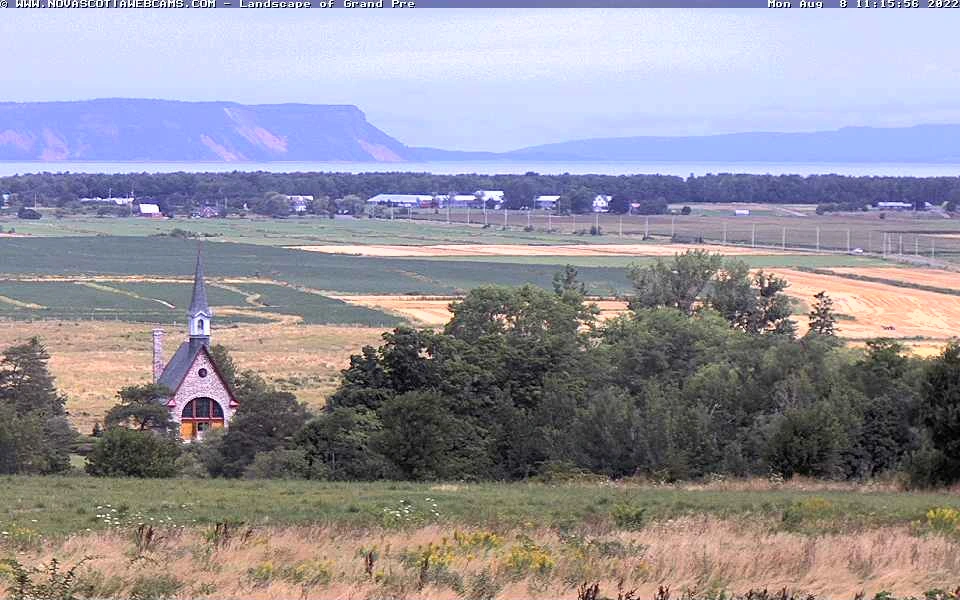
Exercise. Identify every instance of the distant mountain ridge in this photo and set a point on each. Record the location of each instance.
(920, 143)
(117, 129)
(165, 130)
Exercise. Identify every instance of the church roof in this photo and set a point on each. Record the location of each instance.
(177, 368)
(199, 302)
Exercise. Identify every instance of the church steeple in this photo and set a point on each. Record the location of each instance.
(199, 312)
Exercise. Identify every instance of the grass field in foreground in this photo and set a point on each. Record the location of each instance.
(284, 539)
(64, 505)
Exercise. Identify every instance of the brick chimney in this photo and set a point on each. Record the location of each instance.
(157, 354)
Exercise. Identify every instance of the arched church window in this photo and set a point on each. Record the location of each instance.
(202, 408)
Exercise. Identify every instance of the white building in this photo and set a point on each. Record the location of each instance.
(116, 201)
(299, 204)
(405, 200)
(150, 210)
(601, 203)
(488, 195)
(459, 201)
(546, 202)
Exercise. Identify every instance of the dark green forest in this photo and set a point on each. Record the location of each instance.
(185, 191)
(704, 375)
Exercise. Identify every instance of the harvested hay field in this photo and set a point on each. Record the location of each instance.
(878, 309)
(434, 311)
(329, 562)
(91, 360)
(919, 276)
(534, 250)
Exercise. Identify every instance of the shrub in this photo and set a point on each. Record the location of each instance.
(944, 520)
(628, 516)
(280, 464)
(48, 583)
(123, 452)
(155, 587)
(529, 558)
(806, 511)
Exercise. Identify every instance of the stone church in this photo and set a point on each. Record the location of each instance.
(201, 398)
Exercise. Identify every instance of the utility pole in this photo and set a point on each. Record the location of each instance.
(673, 228)
(848, 241)
(916, 245)
(818, 239)
(933, 243)
(391, 212)
(596, 223)
(901, 244)
(646, 228)
(783, 239)
(528, 219)
(485, 214)
(468, 214)
(753, 236)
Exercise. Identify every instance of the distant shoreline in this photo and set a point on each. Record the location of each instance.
(497, 167)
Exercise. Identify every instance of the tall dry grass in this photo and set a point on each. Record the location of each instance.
(700, 554)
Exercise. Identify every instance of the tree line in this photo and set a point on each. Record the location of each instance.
(650, 193)
(705, 374)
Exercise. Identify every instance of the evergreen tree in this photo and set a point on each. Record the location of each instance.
(35, 436)
(141, 407)
(823, 319)
(26, 382)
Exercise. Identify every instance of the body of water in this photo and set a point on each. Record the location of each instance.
(493, 168)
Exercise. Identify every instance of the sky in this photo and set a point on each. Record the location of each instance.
(499, 79)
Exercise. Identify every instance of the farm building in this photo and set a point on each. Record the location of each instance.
(601, 203)
(299, 204)
(150, 210)
(405, 200)
(459, 201)
(201, 398)
(546, 202)
(116, 201)
(487, 195)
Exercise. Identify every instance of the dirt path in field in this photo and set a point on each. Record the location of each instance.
(879, 310)
(129, 294)
(20, 304)
(932, 277)
(533, 250)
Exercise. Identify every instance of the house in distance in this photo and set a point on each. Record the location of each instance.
(201, 398)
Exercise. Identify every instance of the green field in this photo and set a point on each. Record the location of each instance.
(168, 257)
(166, 302)
(64, 505)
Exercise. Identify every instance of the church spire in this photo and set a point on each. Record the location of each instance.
(199, 312)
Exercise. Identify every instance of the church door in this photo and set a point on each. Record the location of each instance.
(199, 416)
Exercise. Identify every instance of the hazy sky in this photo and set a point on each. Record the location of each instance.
(492, 79)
